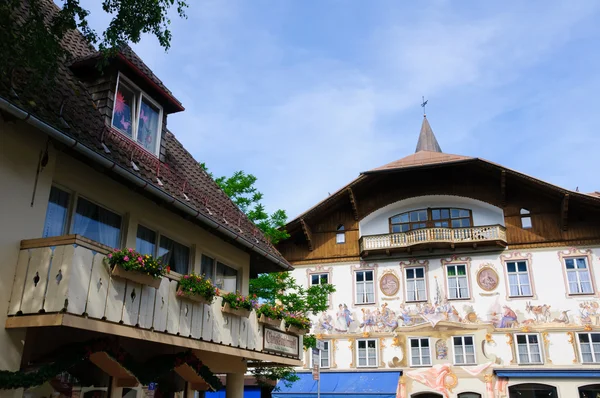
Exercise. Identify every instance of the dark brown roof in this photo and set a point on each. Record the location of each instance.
(180, 175)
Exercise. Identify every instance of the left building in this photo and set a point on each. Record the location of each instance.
(87, 164)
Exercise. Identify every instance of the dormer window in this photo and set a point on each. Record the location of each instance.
(136, 115)
(525, 219)
(340, 236)
(432, 217)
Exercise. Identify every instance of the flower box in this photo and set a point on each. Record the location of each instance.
(268, 321)
(236, 311)
(296, 330)
(136, 277)
(192, 297)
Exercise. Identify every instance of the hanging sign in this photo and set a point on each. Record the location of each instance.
(316, 358)
(280, 342)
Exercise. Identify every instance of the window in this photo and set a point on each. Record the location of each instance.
(420, 353)
(578, 275)
(224, 277)
(469, 395)
(415, 284)
(365, 292)
(589, 345)
(464, 350)
(528, 349)
(519, 284)
(458, 284)
(89, 220)
(325, 361)
(57, 213)
(367, 353)
(171, 253)
(136, 115)
(435, 217)
(532, 390)
(319, 279)
(340, 236)
(525, 219)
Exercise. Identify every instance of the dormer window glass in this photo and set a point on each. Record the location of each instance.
(136, 115)
(430, 218)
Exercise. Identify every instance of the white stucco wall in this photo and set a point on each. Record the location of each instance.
(378, 221)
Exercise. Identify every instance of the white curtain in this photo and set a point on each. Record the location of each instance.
(360, 292)
(56, 214)
(97, 223)
(145, 242)
(452, 287)
(370, 292)
(573, 284)
(584, 279)
(421, 289)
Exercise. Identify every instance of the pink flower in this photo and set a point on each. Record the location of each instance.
(140, 259)
(190, 289)
(115, 249)
(109, 255)
(126, 258)
(185, 276)
(130, 250)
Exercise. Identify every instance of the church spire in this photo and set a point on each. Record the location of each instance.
(427, 140)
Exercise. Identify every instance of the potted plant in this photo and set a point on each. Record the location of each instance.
(131, 265)
(297, 323)
(236, 304)
(197, 288)
(270, 314)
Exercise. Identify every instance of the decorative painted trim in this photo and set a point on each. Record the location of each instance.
(320, 269)
(415, 263)
(546, 341)
(399, 341)
(455, 260)
(364, 266)
(511, 342)
(352, 346)
(388, 273)
(381, 347)
(332, 351)
(516, 256)
(487, 267)
(575, 252)
(572, 336)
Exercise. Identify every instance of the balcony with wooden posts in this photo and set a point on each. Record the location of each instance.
(434, 238)
(66, 282)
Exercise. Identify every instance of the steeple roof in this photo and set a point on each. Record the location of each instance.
(427, 140)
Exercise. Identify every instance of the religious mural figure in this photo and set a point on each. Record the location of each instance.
(509, 318)
(343, 319)
(324, 323)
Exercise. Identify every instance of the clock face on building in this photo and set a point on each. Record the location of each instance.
(389, 284)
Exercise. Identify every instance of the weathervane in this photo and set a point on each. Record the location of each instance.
(423, 104)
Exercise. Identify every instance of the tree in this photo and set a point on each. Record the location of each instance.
(31, 31)
(282, 288)
(240, 188)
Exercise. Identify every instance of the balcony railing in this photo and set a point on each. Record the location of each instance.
(424, 236)
(69, 275)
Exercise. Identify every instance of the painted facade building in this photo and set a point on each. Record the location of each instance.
(464, 278)
(87, 165)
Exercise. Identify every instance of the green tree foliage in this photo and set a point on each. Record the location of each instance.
(31, 31)
(282, 288)
(242, 191)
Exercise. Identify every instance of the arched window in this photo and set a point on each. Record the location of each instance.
(589, 391)
(525, 219)
(432, 217)
(532, 390)
(340, 236)
(469, 395)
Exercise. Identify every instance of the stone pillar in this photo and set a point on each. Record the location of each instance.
(234, 385)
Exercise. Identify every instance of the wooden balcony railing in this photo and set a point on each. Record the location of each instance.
(69, 275)
(452, 236)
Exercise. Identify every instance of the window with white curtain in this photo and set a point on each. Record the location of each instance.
(415, 284)
(528, 349)
(464, 350)
(325, 360)
(420, 352)
(365, 287)
(578, 275)
(223, 276)
(589, 346)
(458, 281)
(57, 213)
(366, 353)
(519, 284)
(171, 253)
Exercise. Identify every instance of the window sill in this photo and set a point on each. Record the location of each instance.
(416, 301)
(367, 367)
(531, 364)
(580, 294)
(522, 297)
(373, 303)
(421, 366)
(460, 299)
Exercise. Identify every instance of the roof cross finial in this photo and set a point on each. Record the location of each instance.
(423, 104)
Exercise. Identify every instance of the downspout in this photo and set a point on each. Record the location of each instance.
(128, 175)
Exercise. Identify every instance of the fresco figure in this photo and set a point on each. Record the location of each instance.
(343, 318)
(369, 321)
(509, 318)
(389, 322)
(324, 323)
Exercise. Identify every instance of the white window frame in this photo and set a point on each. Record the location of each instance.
(458, 278)
(518, 274)
(595, 355)
(134, 123)
(576, 271)
(366, 341)
(327, 355)
(364, 282)
(527, 344)
(319, 274)
(421, 350)
(463, 350)
(215, 261)
(159, 234)
(414, 281)
(340, 236)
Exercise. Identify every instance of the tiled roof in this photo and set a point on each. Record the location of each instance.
(421, 158)
(180, 175)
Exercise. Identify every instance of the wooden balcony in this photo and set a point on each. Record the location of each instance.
(432, 238)
(68, 277)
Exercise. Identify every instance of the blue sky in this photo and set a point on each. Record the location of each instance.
(306, 94)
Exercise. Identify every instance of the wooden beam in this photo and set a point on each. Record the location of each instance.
(307, 233)
(353, 202)
(503, 187)
(564, 213)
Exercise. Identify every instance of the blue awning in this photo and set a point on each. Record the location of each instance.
(549, 373)
(346, 384)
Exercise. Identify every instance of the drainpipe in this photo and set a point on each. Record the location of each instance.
(136, 180)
